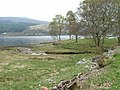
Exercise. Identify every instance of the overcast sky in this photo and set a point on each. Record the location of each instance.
(37, 9)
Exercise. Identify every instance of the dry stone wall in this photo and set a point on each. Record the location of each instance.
(77, 82)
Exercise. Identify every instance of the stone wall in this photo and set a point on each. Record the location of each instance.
(77, 82)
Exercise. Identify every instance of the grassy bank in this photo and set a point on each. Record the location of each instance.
(29, 72)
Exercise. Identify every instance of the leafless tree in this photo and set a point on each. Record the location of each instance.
(98, 18)
(59, 24)
(70, 19)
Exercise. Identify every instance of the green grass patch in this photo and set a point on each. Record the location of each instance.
(28, 72)
(34, 71)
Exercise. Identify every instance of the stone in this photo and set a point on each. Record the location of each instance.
(44, 88)
(95, 59)
(36, 54)
(118, 49)
(81, 61)
(54, 88)
(56, 43)
(44, 54)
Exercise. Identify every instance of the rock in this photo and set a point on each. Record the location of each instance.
(56, 43)
(94, 59)
(44, 88)
(24, 50)
(118, 47)
(87, 66)
(110, 54)
(36, 54)
(81, 61)
(44, 54)
(50, 80)
(54, 88)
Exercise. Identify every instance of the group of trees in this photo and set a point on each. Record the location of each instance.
(60, 22)
(56, 26)
(100, 18)
(94, 18)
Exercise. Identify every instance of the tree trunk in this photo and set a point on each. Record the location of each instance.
(59, 35)
(103, 40)
(98, 41)
(118, 40)
(94, 39)
(76, 38)
(70, 35)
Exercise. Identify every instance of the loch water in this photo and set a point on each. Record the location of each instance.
(26, 40)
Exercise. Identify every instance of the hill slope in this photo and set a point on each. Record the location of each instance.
(22, 19)
(17, 24)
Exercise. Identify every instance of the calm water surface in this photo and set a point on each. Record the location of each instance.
(25, 40)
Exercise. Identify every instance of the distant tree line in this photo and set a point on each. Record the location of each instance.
(94, 18)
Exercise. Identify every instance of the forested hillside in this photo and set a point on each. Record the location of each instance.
(17, 24)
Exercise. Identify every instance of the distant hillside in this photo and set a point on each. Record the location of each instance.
(36, 30)
(17, 24)
(22, 20)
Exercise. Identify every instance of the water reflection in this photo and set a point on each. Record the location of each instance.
(25, 40)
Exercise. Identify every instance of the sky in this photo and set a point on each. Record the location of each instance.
(43, 10)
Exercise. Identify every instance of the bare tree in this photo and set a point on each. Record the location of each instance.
(53, 31)
(75, 29)
(56, 26)
(97, 16)
(59, 24)
(70, 19)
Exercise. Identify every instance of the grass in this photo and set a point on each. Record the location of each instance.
(68, 46)
(28, 72)
(71, 46)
